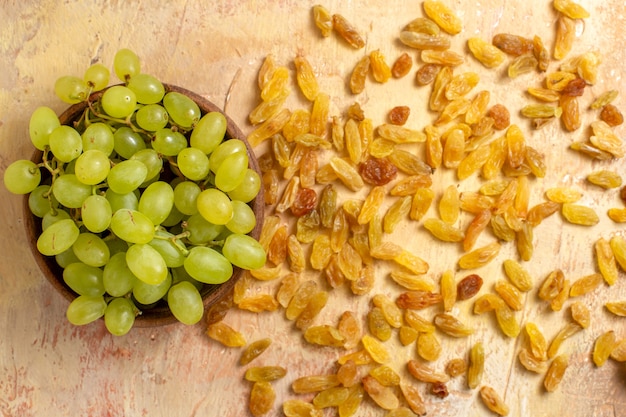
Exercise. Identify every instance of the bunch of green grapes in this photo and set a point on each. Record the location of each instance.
(144, 202)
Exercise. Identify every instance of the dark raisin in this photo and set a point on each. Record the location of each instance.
(377, 171)
(305, 201)
(468, 287)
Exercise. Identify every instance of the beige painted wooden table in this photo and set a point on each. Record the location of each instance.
(48, 367)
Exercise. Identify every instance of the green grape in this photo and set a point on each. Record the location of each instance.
(200, 230)
(66, 258)
(85, 309)
(92, 167)
(71, 89)
(97, 76)
(127, 142)
(157, 201)
(22, 176)
(231, 172)
(148, 89)
(96, 213)
(182, 110)
(243, 220)
(54, 216)
(152, 161)
(84, 279)
(91, 249)
(207, 265)
(132, 226)
(193, 163)
(118, 101)
(174, 218)
(117, 278)
(98, 136)
(146, 263)
(41, 200)
(69, 191)
(169, 247)
(180, 274)
(244, 251)
(249, 187)
(168, 142)
(126, 64)
(185, 196)
(127, 176)
(42, 122)
(215, 206)
(224, 150)
(185, 302)
(121, 201)
(209, 132)
(57, 237)
(119, 316)
(152, 117)
(115, 244)
(149, 294)
(65, 143)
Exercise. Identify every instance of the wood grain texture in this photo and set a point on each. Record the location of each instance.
(48, 367)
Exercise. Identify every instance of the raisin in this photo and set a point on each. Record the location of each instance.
(512, 44)
(575, 87)
(304, 203)
(426, 74)
(611, 115)
(347, 31)
(402, 66)
(500, 115)
(399, 114)
(377, 171)
(439, 389)
(468, 287)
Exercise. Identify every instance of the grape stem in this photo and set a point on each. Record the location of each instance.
(176, 240)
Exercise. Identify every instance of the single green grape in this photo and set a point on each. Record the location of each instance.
(132, 226)
(127, 176)
(168, 142)
(22, 176)
(118, 101)
(170, 248)
(85, 309)
(207, 265)
(91, 249)
(127, 142)
(152, 161)
(41, 201)
(117, 278)
(174, 218)
(193, 163)
(146, 263)
(71, 89)
(115, 244)
(117, 201)
(249, 187)
(209, 132)
(54, 216)
(147, 294)
(152, 117)
(180, 274)
(147, 88)
(215, 206)
(185, 302)
(58, 237)
(98, 136)
(84, 279)
(96, 213)
(182, 110)
(243, 220)
(42, 122)
(244, 251)
(65, 143)
(224, 150)
(126, 64)
(66, 258)
(119, 316)
(69, 191)
(92, 167)
(156, 201)
(185, 196)
(97, 76)
(231, 172)
(200, 230)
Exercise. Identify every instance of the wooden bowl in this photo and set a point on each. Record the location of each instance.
(160, 314)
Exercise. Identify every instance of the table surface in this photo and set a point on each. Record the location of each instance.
(49, 367)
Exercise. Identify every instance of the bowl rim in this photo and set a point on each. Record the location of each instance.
(161, 315)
